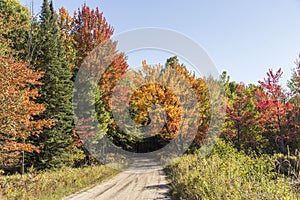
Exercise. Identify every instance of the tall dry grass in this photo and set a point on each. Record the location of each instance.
(52, 184)
(228, 174)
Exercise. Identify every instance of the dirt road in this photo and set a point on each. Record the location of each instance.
(144, 179)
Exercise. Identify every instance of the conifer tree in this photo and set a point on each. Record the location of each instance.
(294, 83)
(55, 93)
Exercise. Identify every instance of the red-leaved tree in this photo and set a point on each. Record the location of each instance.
(240, 117)
(276, 113)
(83, 35)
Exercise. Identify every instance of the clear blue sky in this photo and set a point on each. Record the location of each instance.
(243, 37)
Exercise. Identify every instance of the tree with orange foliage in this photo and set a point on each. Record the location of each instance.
(17, 108)
(170, 99)
(66, 27)
(205, 97)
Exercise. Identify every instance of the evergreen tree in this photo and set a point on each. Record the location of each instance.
(55, 93)
(294, 83)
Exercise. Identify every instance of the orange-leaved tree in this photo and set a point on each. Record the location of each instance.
(174, 100)
(17, 110)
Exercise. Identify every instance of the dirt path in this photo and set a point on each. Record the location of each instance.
(144, 179)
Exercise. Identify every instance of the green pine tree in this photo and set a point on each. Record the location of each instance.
(56, 93)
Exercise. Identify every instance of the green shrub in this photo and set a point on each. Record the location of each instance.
(52, 184)
(226, 174)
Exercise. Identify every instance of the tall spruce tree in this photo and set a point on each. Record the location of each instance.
(56, 93)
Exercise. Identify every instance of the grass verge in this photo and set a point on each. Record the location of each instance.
(53, 184)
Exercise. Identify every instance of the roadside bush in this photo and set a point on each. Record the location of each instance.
(227, 174)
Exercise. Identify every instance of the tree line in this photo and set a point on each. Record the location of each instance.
(40, 58)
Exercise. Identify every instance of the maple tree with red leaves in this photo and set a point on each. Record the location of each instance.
(276, 112)
(87, 30)
(90, 30)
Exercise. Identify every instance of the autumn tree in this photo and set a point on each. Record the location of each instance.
(86, 31)
(145, 110)
(205, 97)
(17, 122)
(14, 28)
(91, 28)
(241, 125)
(169, 101)
(83, 33)
(66, 27)
(18, 110)
(276, 113)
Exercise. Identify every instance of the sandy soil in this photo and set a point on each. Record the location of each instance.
(144, 179)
